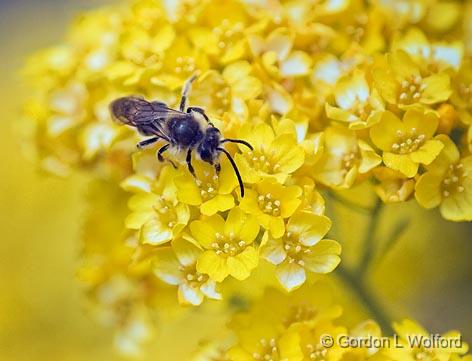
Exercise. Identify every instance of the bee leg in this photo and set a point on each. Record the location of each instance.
(185, 92)
(200, 111)
(146, 142)
(161, 158)
(217, 168)
(189, 162)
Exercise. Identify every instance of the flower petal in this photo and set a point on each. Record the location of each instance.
(155, 233)
(324, 256)
(401, 162)
(219, 203)
(186, 252)
(213, 265)
(203, 232)
(189, 294)
(427, 152)
(166, 266)
(241, 265)
(290, 275)
(428, 190)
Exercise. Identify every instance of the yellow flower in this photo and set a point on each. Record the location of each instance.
(357, 104)
(209, 191)
(311, 344)
(228, 245)
(261, 344)
(271, 203)
(277, 56)
(393, 186)
(274, 156)
(407, 144)
(312, 200)
(431, 57)
(180, 64)
(344, 158)
(228, 91)
(222, 38)
(447, 183)
(156, 211)
(462, 92)
(176, 265)
(142, 53)
(301, 249)
(410, 333)
(400, 82)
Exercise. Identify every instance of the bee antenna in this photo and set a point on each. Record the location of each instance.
(239, 141)
(236, 170)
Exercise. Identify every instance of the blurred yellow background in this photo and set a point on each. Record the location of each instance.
(426, 275)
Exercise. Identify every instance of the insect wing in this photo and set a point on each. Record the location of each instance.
(132, 111)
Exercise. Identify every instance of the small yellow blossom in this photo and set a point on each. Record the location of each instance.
(431, 57)
(210, 191)
(407, 144)
(274, 156)
(447, 183)
(462, 92)
(277, 56)
(271, 203)
(176, 265)
(357, 104)
(157, 214)
(408, 332)
(228, 244)
(400, 82)
(345, 157)
(223, 38)
(264, 346)
(393, 186)
(301, 249)
(228, 91)
(180, 64)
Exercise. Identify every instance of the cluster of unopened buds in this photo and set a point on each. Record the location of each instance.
(330, 95)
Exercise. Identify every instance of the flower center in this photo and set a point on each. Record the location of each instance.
(269, 205)
(228, 245)
(316, 352)
(411, 90)
(269, 351)
(408, 143)
(228, 33)
(208, 186)
(349, 160)
(423, 354)
(300, 313)
(362, 110)
(453, 180)
(192, 277)
(185, 65)
(295, 249)
(262, 161)
(166, 210)
(357, 30)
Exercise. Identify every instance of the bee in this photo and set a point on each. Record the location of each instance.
(187, 129)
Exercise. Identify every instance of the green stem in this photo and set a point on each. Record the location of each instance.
(366, 299)
(369, 237)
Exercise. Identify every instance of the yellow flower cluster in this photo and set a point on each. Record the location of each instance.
(330, 94)
(309, 327)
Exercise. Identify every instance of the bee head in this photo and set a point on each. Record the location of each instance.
(207, 148)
